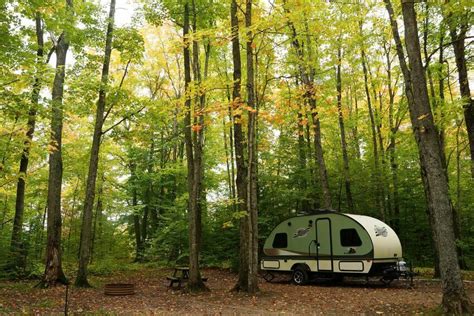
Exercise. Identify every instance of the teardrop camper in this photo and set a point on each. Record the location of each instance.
(328, 243)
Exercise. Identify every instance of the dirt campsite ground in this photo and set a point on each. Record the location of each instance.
(278, 297)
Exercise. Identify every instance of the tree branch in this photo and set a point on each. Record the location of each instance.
(428, 59)
(120, 86)
(126, 117)
(9, 82)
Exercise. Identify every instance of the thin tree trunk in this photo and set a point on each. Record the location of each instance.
(71, 215)
(355, 129)
(39, 240)
(16, 240)
(227, 163)
(457, 226)
(86, 236)
(429, 74)
(252, 159)
(392, 145)
(302, 158)
(458, 40)
(378, 198)
(97, 218)
(434, 176)
(309, 96)
(150, 192)
(441, 83)
(193, 155)
(239, 144)
(345, 158)
(136, 218)
(53, 270)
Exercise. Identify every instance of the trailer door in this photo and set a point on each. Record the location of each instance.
(324, 245)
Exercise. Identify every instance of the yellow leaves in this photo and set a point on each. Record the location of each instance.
(303, 122)
(422, 117)
(329, 100)
(52, 147)
(250, 109)
(227, 225)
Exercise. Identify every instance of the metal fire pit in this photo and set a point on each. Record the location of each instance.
(119, 289)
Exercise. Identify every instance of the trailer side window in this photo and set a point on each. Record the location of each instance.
(350, 238)
(280, 240)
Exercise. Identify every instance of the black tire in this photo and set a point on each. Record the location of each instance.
(300, 276)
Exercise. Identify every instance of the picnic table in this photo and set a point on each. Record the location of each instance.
(180, 275)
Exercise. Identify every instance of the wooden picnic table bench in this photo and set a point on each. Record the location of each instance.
(180, 275)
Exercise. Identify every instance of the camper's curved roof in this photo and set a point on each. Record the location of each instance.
(385, 240)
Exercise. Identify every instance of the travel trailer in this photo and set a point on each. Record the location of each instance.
(331, 244)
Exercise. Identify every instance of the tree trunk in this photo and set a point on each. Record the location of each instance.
(441, 83)
(309, 96)
(150, 192)
(252, 160)
(434, 176)
(302, 159)
(377, 177)
(97, 218)
(86, 236)
(241, 169)
(458, 40)
(53, 271)
(355, 129)
(16, 240)
(227, 161)
(136, 218)
(345, 158)
(193, 157)
(392, 145)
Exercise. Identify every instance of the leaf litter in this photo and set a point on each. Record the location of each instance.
(154, 297)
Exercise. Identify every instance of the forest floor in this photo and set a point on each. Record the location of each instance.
(278, 297)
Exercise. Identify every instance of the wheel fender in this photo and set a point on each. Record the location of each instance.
(303, 266)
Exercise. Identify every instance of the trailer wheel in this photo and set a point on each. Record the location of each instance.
(300, 276)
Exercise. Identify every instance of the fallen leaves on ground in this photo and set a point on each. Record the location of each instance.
(278, 297)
